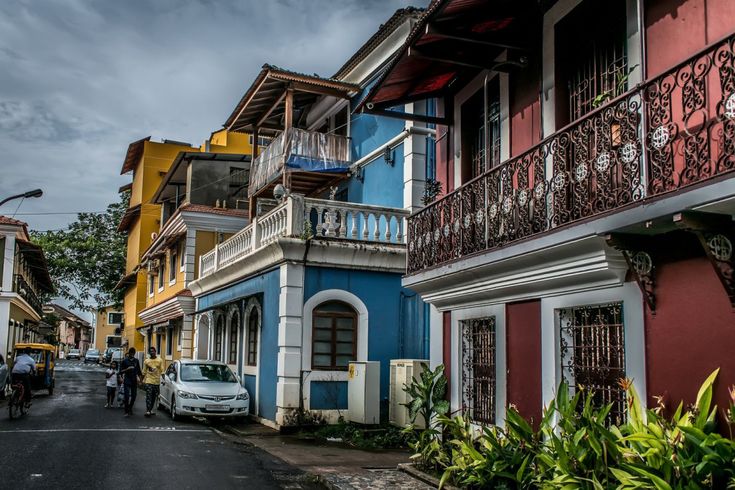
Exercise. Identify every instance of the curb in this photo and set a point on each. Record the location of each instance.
(411, 470)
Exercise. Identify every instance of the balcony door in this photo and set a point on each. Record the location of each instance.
(478, 122)
(591, 59)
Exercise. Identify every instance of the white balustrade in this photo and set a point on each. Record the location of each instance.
(352, 221)
(333, 219)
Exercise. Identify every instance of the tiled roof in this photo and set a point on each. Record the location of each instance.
(135, 151)
(4, 220)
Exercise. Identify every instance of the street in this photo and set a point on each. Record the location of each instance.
(70, 440)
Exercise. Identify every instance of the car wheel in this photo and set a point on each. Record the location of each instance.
(173, 408)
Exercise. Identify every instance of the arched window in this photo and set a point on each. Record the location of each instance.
(218, 334)
(253, 324)
(334, 336)
(234, 331)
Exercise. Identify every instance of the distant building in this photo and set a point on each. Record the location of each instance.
(108, 328)
(74, 331)
(24, 279)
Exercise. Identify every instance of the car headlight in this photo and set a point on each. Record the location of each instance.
(243, 396)
(186, 394)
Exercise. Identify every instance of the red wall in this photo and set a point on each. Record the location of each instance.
(677, 29)
(691, 334)
(525, 107)
(523, 348)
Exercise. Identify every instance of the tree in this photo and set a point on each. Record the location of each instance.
(87, 259)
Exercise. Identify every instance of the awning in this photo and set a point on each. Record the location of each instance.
(263, 105)
(132, 157)
(453, 41)
(35, 258)
(128, 218)
(178, 306)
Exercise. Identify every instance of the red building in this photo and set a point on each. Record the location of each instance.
(586, 153)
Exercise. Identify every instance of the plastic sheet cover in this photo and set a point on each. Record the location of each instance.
(300, 151)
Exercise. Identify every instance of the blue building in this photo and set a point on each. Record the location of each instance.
(313, 282)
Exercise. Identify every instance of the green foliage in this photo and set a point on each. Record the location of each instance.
(384, 437)
(575, 447)
(87, 259)
(427, 395)
(432, 188)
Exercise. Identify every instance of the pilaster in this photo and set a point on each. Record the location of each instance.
(288, 370)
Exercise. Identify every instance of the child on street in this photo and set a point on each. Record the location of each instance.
(111, 375)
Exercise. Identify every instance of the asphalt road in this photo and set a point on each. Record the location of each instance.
(69, 440)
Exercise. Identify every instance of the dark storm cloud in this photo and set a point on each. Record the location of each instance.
(80, 79)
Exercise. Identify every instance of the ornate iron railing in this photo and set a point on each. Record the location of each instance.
(668, 133)
(21, 286)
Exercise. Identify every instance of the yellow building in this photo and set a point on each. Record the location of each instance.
(108, 327)
(23, 278)
(185, 200)
(148, 161)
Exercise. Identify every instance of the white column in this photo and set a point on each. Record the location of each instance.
(187, 337)
(4, 326)
(414, 162)
(8, 265)
(436, 334)
(290, 307)
(190, 257)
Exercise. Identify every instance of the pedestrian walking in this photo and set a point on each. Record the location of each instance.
(111, 382)
(131, 374)
(153, 369)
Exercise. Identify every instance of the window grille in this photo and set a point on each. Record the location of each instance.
(478, 369)
(592, 353)
(253, 337)
(234, 327)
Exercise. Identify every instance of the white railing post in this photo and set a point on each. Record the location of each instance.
(216, 256)
(255, 240)
(295, 215)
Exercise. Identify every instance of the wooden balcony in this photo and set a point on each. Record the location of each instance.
(665, 135)
(305, 218)
(312, 161)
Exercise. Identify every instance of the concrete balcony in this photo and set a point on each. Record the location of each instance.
(309, 219)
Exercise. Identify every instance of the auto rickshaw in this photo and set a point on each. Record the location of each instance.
(45, 357)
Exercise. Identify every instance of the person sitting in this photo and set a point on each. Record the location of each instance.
(23, 367)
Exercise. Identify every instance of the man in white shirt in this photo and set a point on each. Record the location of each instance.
(23, 367)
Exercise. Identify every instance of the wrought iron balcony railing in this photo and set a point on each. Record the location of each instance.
(664, 135)
(21, 286)
(305, 217)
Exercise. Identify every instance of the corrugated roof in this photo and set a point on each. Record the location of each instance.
(398, 18)
(267, 91)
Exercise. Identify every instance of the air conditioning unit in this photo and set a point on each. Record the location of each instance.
(363, 392)
(402, 372)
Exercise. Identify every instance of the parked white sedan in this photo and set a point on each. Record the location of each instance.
(202, 389)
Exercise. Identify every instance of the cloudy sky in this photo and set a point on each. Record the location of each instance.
(80, 79)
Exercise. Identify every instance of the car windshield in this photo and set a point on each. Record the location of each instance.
(74, 351)
(207, 372)
(94, 352)
(36, 355)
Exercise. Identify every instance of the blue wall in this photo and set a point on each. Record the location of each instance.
(396, 327)
(268, 285)
(328, 395)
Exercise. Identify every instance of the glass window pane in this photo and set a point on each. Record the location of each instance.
(322, 347)
(345, 336)
(344, 348)
(344, 360)
(322, 360)
(320, 334)
(335, 306)
(345, 323)
(322, 322)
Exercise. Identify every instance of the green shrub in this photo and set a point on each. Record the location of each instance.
(575, 447)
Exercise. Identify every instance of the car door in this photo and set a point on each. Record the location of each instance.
(167, 385)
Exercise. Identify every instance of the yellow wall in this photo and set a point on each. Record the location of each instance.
(155, 162)
(229, 142)
(103, 329)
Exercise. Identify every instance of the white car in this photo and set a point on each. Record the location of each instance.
(202, 389)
